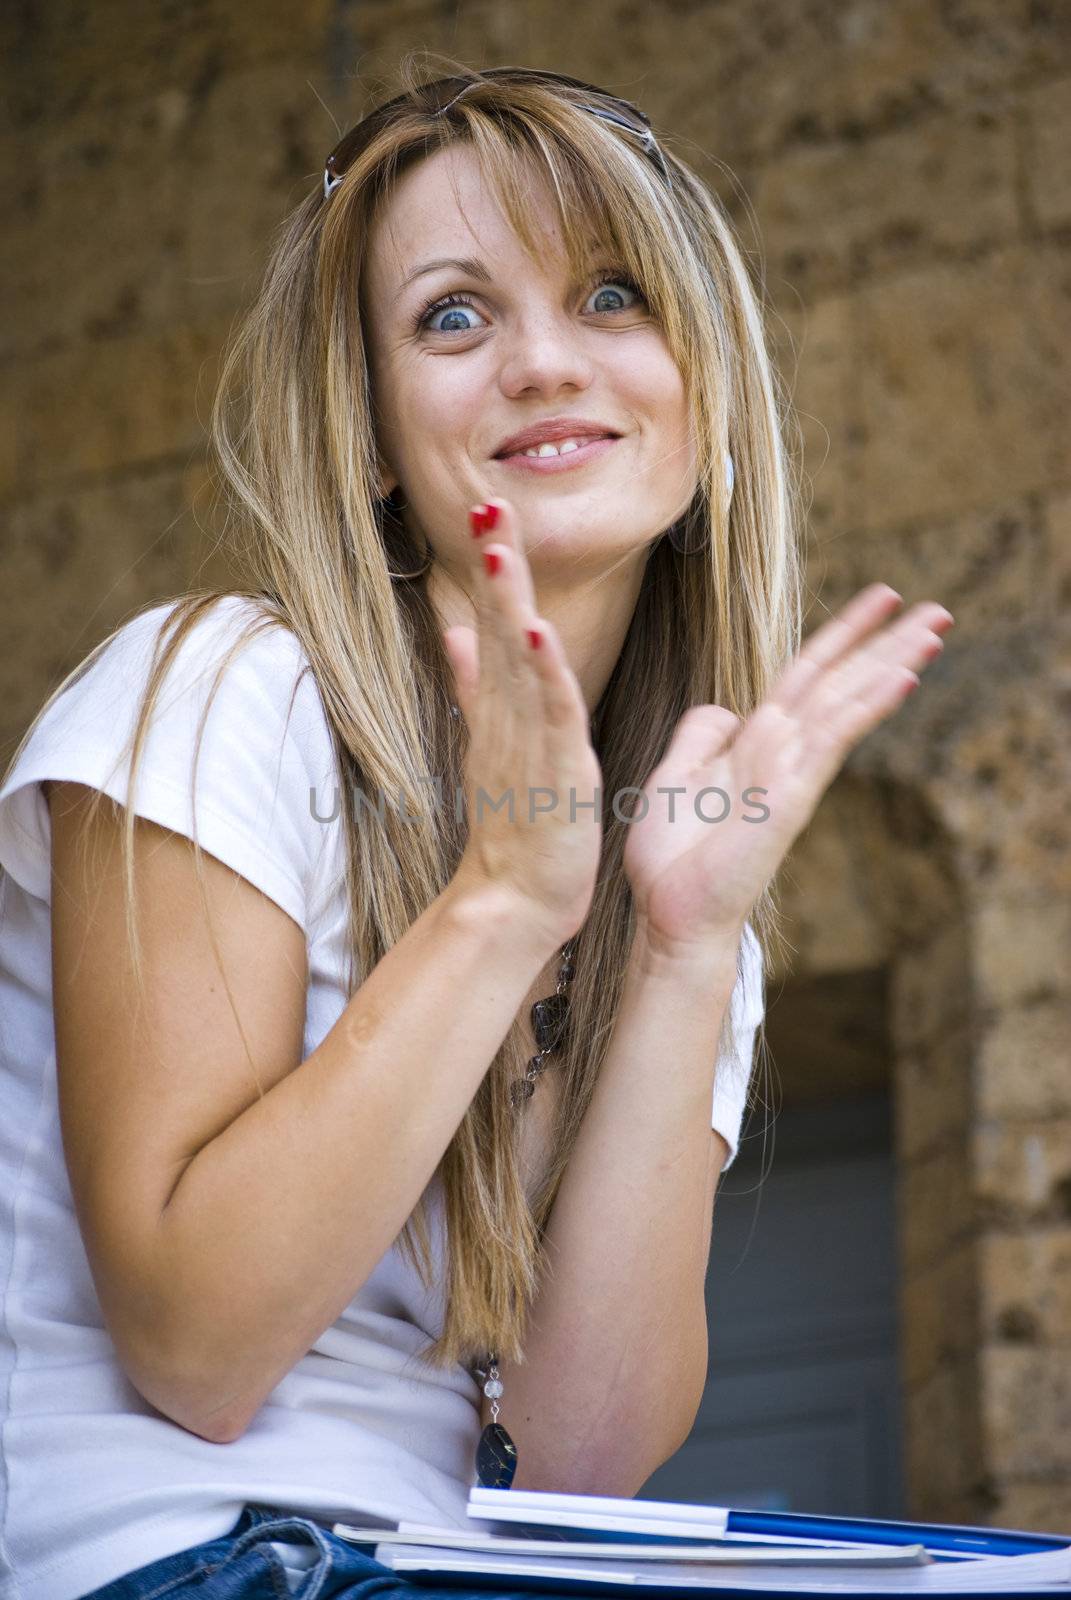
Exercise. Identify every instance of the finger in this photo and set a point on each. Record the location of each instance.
(701, 735)
(517, 596)
(826, 741)
(863, 613)
(911, 642)
(565, 712)
(507, 530)
(493, 652)
(510, 687)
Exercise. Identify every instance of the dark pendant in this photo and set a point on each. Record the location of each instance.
(521, 1089)
(548, 1021)
(496, 1458)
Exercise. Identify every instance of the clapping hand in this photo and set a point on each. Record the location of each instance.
(696, 862)
(694, 878)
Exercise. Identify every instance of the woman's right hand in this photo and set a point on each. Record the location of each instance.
(529, 742)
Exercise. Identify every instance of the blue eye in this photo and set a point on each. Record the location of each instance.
(447, 303)
(456, 302)
(619, 281)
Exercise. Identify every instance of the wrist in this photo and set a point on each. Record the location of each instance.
(702, 962)
(504, 917)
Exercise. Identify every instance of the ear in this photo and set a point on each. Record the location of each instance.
(386, 480)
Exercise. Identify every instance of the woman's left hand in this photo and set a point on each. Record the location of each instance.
(695, 879)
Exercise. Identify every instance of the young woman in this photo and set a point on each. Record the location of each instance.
(510, 710)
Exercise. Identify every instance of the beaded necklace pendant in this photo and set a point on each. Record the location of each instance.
(496, 1453)
(549, 1019)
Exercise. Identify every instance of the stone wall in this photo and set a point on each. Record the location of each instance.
(906, 172)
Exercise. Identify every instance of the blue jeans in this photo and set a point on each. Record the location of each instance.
(241, 1565)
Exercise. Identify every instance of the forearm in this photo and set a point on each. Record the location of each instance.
(616, 1355)
(277, 1222)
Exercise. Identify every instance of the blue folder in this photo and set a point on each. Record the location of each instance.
(945, 1543)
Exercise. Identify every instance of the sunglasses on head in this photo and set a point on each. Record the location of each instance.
(440, 95)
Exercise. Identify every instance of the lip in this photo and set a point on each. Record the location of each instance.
(575, 458)
(550, 431)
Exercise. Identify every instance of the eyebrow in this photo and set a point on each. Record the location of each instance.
(469, 265)
(466, 264)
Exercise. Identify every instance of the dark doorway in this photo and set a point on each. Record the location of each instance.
(802, 1409)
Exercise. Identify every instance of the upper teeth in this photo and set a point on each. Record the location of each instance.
(560, 449)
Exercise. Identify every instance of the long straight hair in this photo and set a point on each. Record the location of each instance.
(294, 454)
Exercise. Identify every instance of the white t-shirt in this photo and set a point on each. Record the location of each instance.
(97, 1482)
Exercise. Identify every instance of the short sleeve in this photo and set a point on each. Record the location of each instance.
(265, 746)
(746, 1010)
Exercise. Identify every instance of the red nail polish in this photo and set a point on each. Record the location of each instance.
(535, 638)
(482, 518)
(492, 561)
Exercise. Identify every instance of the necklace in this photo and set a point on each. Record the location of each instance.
(549, 1018)
(496, 1453)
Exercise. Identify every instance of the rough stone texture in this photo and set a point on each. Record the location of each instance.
(1048, 135)
(843, 212)
(87, 410)
(943, 1410)
(1023, 1170)
(961, 370)
(84, 560)
(1056, 543)
(1044, 1506)
(171, 203)
(907, 172)
(1021, 1064)
(1028, 1415)
(932, 1104)
(940, 1323)
(1026, 1287)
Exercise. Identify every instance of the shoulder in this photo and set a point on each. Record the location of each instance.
(235, 740)
(232, 663)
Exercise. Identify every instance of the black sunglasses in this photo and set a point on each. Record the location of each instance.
(440, 95)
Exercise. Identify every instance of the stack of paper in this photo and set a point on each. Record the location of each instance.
(524, 1539)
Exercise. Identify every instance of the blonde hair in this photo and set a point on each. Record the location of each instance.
(292, 433)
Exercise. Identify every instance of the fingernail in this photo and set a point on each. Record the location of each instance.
(481, 518)
(492, 561)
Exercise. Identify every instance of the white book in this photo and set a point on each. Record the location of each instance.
(782, 1572)
(579, 1544)
(415, 1542)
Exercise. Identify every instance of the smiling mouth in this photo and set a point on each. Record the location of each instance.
(556, 447)
(561, 456)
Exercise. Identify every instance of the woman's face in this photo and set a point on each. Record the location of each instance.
(452, 386)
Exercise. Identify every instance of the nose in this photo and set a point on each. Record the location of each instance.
(544, 354)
